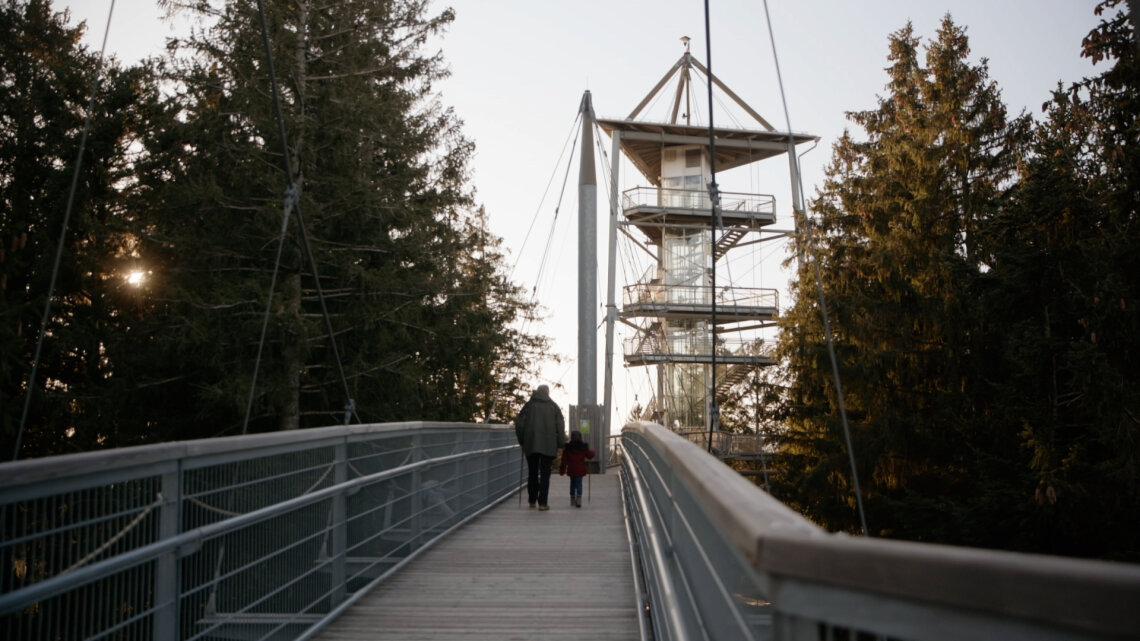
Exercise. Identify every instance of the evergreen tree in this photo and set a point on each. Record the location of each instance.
(1061, 303)
(896, 242)
(416, 300)
(48, 79)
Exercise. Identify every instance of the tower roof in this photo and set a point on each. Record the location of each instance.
(642, 140)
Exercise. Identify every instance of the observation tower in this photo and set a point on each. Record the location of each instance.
(699, 331)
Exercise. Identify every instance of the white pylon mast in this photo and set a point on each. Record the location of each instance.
(587, 263)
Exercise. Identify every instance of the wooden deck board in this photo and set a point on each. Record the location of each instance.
(512, 573)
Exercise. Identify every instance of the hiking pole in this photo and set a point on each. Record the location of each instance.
(520, 476)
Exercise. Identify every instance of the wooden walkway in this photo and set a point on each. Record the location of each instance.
(512, 573)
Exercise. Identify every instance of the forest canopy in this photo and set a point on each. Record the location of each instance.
(979, 270)
(244, 253)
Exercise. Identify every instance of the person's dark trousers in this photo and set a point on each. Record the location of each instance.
(538, 478)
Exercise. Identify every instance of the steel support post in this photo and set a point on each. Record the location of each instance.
(339, 535)
(166, 572)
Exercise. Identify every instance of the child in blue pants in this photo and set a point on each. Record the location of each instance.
(574, 457)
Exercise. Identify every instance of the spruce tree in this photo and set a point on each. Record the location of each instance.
(418, 306)
(48, 79)
(894, 231)
(1061, 302)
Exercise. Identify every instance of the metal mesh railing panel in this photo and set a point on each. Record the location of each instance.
(251, 537)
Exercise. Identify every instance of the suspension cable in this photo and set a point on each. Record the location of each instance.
(714, 223)
(290, 200)
(801, 218)
(293, 191)
(573, 135)
(557, 207)
(62, 236)
(575, 130)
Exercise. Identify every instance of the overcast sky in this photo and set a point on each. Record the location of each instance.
(519, 68)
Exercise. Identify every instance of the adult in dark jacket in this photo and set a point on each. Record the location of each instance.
(542, 433)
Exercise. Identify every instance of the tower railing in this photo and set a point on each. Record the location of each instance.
(657, 293)
(734, 204)
(257, 537)
(694, 347)
(724, 560)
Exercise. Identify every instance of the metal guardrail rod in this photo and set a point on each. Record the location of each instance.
(643, 623)
(666, 608)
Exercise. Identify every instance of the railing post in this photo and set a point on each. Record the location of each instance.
(167, 594)
(339, 535)
(481, 495)
(416, 521)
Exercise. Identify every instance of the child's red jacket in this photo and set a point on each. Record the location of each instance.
(574, 457)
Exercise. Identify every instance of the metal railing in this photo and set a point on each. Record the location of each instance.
(613, 451)
(724, 444)
(693, 347)
(271, 536)
(255, 537)
(655, 293)
(732, 204)
(722, 559)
